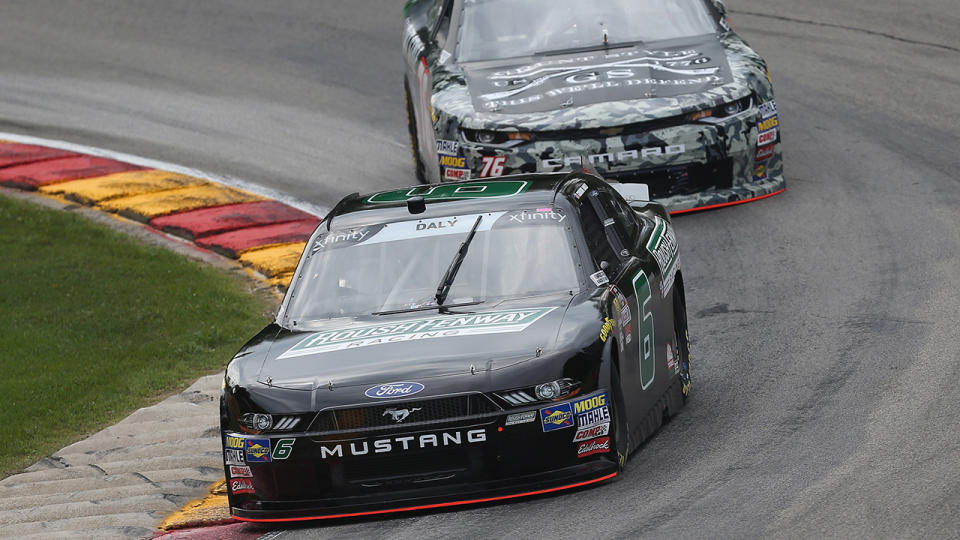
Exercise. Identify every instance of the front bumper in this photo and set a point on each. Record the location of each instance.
(324, 475)
(686, 165)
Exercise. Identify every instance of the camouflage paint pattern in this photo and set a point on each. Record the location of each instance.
(703, 141)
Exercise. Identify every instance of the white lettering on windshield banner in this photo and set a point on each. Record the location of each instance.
(423, 228)
(490, 322)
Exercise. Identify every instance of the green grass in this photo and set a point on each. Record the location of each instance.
(94, 324)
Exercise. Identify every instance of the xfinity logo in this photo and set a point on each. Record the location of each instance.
(409, 442)
(399, 415)
(334, 238)
(610, 158)
(394, 390)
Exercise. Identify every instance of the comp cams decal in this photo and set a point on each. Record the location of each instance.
(491, 322)
(240, 471)
(664, 248)
(583, 434)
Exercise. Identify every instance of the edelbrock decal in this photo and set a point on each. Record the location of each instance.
(490, 322)
(664, 248)
(394, 390)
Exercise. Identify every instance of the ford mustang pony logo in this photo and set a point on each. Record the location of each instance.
(399, 415)
(394, 390)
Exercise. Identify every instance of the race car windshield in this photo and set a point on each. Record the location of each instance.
(397, 266)
(494, 29)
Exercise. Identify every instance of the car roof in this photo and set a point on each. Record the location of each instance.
(472, 196)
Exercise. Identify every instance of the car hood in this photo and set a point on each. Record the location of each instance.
(559, 81)
(413, 346)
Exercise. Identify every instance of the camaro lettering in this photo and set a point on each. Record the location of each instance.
(429, 440)
(612, 159)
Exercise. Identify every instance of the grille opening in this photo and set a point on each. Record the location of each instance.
(403, 414)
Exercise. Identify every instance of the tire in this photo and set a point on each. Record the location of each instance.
(682, 335)
(620, 437)
(418, 166)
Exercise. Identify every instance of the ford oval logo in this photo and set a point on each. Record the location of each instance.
(394, 390)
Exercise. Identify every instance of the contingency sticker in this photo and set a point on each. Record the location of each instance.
(556, 417)
(257, 450)
(768, 109)
(441, 326)
(664, 248)
(596, 446)
(233, 457)
(240, 471)
(583, 434)
(592, 411)
(520, 418)
(241, 485)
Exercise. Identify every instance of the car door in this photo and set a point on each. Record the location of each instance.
(612, 240)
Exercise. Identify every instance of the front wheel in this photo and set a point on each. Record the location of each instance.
(418, 167)
(682, 335)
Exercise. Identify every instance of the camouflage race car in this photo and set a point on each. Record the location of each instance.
(659, 92)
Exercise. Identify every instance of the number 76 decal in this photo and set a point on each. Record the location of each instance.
(492, 165)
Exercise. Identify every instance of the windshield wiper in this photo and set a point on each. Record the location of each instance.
(425, 308)
(587, 48)
(444, 289)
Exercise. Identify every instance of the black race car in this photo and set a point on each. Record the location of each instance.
(463, 342)
(658, 92)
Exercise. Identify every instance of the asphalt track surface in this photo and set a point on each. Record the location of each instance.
(825, 321)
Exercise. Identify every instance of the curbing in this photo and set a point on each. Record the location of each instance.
(121, 481)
